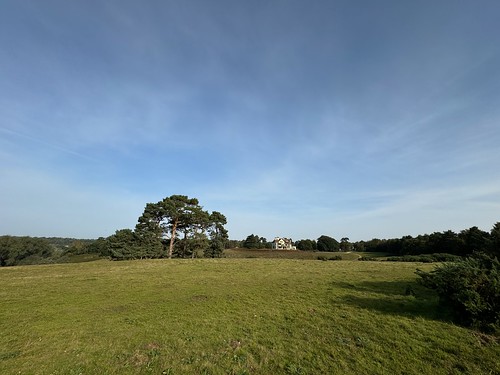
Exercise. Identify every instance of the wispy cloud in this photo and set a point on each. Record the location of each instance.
(44, 143)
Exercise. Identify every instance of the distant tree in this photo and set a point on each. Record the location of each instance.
(442, 242)
(124, 245)
(24, 250)
(473, 240)
(78, 247)
(233, 244)
(326, 243)
(345, 245)
(494, 241)
(359, 246)
(218, 235)
(252, 242)
(99, 246)
(410, 246)
(265, 244)
(306, 245)
(165, 218)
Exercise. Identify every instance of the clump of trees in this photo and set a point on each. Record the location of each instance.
(469, 289)
(24, 250)
(326, 243)
(253, 241)
(323, 243)
(306, 245)
(176, 226)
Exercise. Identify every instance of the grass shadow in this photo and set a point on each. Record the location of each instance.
(408, 299)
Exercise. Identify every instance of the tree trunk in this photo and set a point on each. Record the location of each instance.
(172, 238)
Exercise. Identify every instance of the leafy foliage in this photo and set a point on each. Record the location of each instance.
(470, 289)
(176, 226)
(127, 244)
(172, 214)
(345, 245)
(23, 250)
(255, 242)
(218, 236)
(306, 245)
(326, 243)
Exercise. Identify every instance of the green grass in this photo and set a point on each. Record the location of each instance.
(230, 316)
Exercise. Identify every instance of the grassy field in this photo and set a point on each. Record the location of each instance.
(230, 316)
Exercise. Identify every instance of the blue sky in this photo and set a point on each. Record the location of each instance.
(356, 119)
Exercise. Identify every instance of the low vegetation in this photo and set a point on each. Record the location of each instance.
(232, 316)
(470, 289)
(35, 250)
(424, 258)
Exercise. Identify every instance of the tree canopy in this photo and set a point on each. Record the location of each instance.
(306, 245)
(464, 243)
(182, 227)
(253, 241)
(23, 250)
(326, 243)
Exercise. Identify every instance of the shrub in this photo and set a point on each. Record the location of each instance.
(24, 250)
(324, 257)
(426, 258)
(470, 289)
(368, 259)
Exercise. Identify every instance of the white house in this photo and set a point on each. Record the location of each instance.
(280, 243)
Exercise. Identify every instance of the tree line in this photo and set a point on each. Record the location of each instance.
(463, 243)
(178, 226)
(24, 250)
(323, 243)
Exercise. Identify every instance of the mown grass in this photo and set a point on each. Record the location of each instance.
(230, 316)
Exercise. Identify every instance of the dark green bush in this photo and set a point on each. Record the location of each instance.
(470, 289)
(24, 250)
(324, 257)
(426, 258)
(368, 259)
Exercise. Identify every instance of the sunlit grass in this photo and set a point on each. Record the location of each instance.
(230, 316)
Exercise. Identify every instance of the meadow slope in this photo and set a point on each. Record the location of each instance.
(230, 316)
